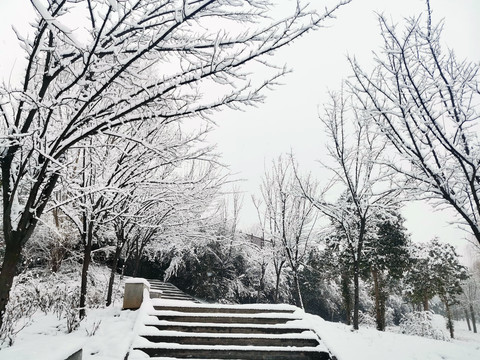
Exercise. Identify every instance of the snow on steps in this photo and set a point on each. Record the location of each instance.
(176, 326)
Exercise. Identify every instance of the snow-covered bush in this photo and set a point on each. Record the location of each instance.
(366, 320)
(396, 309)
(40, 290)
(424, 323)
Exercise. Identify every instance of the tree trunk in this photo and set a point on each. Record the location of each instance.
(425, 304)
(356, 295)
(297, 294)
(13, 250)
(277, 287)
(58, 251)
(347, 298)
(379, 301)
(472, 314)
(56, 257)
(449, 318)
(137, 264)
(118, 251)
(468, 319)
(278, 273)
(261, 287)
(87, 256)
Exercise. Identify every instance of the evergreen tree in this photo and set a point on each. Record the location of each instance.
(385, 258)
(435, 270)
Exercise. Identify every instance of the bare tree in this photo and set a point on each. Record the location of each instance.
(366, 195)
(130, 60)
(275, 252)
(426, 103)
(290, 219)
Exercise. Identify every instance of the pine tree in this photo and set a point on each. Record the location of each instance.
(435, 270)
(386, 257)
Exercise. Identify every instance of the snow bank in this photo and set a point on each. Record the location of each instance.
(106, 334)
(370, 344)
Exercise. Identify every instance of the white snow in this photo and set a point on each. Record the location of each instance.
(115, 331)
(280, 307)
(371, 344)
(137, 281)
(46, 338)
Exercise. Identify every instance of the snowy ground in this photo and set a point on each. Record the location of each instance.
(374, 345)
(107, 335)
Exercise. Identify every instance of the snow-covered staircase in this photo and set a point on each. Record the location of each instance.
(186, 329)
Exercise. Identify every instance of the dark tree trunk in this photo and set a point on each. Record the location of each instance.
(356, 273)
(347, 298)
(56, 257)
(83, 288)
(87, 256)
(468, 319)
(356, 295)
(137, 264)
(11, 259)
(118, 251)
(472, 314)
(58, 251)
(425, 303)
(449, 318)
(261, 287)
(379, 301)
(297, 294)
(278, 273)
(277, 287)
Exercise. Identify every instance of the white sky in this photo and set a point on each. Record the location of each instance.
(288, 119)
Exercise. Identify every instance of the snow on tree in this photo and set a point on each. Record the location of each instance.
(386, 256)
(127, 61)
(426, 103)
(355, 148)
(289, 219)
(470, 297)
(435, 270)
(321, 288)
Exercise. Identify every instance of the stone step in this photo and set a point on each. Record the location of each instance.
(223, 309)
(222, 318)
(174, 296)
(232, 352)
(242, 340)
(180, 327)
(229, 329)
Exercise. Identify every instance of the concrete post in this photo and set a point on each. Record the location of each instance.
(133, 296)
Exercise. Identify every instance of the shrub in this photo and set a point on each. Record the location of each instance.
(424, 323)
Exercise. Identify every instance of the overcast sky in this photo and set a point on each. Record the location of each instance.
(288, 120)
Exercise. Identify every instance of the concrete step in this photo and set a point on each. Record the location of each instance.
(166, 291)
(175, 297)
(229, 328)
(180, 327)
(238, 340)
(204, 308)
(216, 318)
(235, 352)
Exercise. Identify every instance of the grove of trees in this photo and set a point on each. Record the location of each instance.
(105, 162)
(140, 64)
